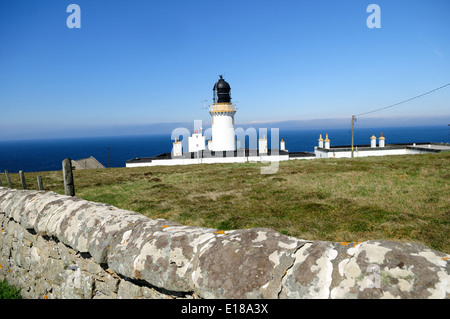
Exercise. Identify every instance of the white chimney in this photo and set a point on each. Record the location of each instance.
(263, 145)
(327, 142)
(320, 141)
(282, 145)
(210, 142)
(373, 141)
(177, 149)
(381, 140)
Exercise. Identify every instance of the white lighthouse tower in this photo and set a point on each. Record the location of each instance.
(222, 113)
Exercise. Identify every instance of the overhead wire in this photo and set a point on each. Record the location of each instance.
(402, 102)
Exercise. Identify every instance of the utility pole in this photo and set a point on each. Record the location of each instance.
(353, 132)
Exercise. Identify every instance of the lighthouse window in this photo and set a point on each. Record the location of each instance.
(216, 97)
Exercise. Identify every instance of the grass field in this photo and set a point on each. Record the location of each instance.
(9, 292)
(401, 198)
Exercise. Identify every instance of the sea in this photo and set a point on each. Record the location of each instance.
(48, 154)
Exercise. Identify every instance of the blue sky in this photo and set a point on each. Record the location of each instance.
(142, 62)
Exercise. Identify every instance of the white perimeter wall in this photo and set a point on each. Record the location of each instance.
(365, 153)
(275, 158)
(211, 160)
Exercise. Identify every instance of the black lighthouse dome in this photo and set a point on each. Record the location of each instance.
(221, 91)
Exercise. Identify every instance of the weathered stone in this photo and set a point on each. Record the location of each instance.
(110, 229)
(128, 290)
(100, 295)
(312, 273)
(108, 285)
(67, 255)
(44, 213)
(53, 270)
(13, 202)
(244, 264)
(405, 271)
(76, 284)
(159, 253)
(55, 246)
(150, 293)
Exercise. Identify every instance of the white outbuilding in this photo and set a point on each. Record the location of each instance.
(196, 142)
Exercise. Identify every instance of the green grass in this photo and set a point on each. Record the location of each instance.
(400, 198)
(9, 292)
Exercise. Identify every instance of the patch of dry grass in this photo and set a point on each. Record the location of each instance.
(403, 198)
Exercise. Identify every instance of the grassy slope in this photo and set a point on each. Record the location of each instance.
(405, 198)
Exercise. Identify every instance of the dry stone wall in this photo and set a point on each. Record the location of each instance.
(55, 246)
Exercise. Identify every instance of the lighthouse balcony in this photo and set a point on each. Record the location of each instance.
(222, 107)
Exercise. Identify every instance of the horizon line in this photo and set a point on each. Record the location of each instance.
(167, 127)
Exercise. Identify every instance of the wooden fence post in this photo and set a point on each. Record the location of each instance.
(40, 184)
(22, 179)
(69, 187)
(8, 179)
